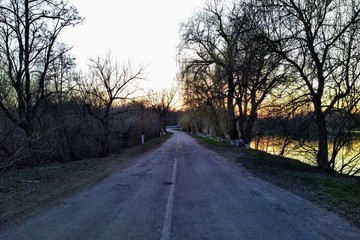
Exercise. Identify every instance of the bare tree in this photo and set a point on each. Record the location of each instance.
(258, 73)
(203, 92)
(320, 40)
(162, 101)
(223, 36)
(29, 30)
(211, 37)
(108, 86)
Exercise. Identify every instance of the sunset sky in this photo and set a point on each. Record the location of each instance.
(142, 31)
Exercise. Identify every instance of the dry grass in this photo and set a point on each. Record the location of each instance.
(340, 194)
(26, 192)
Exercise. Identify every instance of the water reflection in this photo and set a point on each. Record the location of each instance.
(347, 160)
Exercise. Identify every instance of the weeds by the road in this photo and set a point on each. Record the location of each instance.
(26, 192)
(337, 193)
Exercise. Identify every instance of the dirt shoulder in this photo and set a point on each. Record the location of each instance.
(26, 192)
(340, 194)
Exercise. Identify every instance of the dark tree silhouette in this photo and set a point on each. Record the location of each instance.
(29, 30)
(319, 39)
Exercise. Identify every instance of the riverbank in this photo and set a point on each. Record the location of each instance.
(340, 194)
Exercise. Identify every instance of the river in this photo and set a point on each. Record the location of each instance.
(347, 161)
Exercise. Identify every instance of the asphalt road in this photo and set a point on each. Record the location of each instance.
(184, 191)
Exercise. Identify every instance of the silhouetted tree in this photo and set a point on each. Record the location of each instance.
(211, 37)
(222, 40)
(203, 93)
(107, 87)
(162, 101)
(319, 39)
(29, 32)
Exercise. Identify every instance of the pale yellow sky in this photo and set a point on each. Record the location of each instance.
(146, 32)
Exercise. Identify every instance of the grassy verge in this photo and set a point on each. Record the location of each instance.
(26, 192)
(337, 193)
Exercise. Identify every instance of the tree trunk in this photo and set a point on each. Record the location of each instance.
(241, 118)
(28, 127)
(217, 129)
(250, 125)
(322, 138)
(104, 141)
(233, 132)
(164, 117)
(242, 127)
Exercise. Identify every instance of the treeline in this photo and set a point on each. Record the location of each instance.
(295, 61)
(52, 112)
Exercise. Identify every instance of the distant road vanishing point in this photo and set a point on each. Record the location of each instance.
(184, 191)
